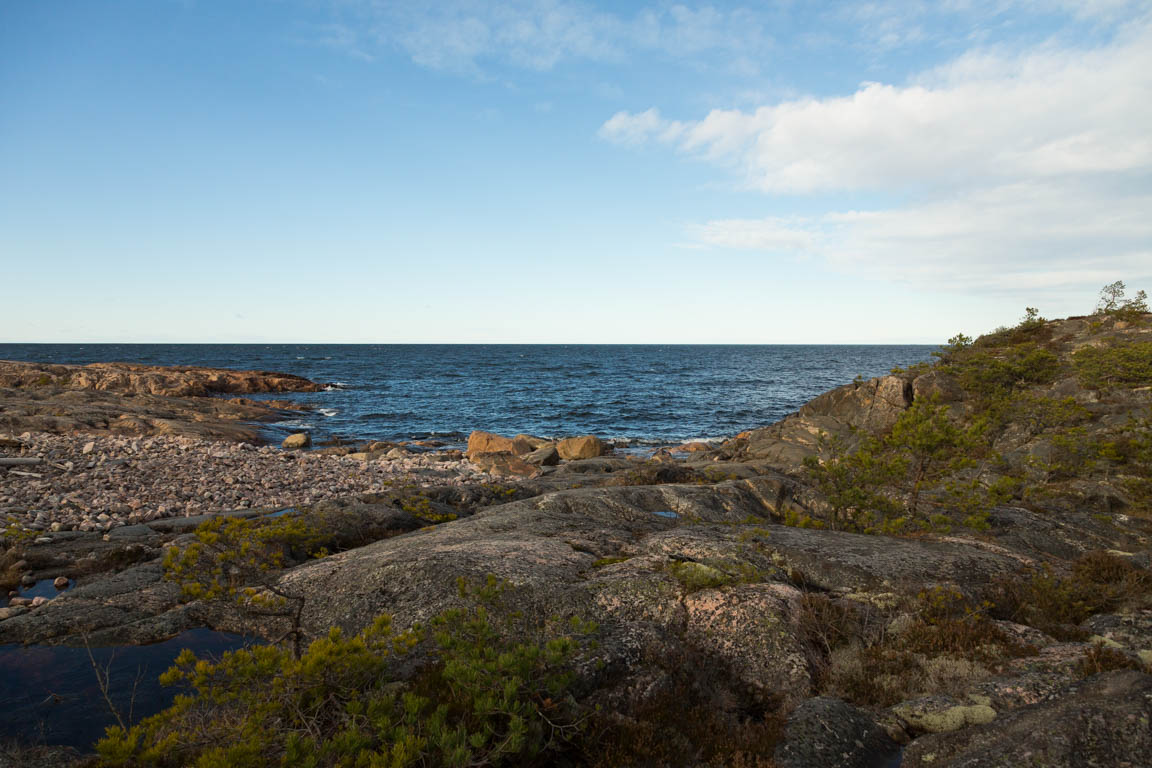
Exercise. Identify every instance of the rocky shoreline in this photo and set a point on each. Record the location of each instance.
(92, 482)
(952, 563)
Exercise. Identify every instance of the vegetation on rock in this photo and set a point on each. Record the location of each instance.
(474, 687)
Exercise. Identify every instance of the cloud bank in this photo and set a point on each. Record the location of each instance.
(1031, 167)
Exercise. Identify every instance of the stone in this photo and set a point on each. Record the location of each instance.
(544, 456)
(531, 442)
(488, 442)
(88, 447)
(692, 447)
(38, 601)
(938, 714)
(828, 733)
(61, 582)
(503, 463)
(297, 441)
(587, 447)
(12, 610)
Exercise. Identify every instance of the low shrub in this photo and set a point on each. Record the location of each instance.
(481, 698)
(1120, 365)
(1056, 604)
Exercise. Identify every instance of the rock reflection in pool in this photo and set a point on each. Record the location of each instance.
(49, 695)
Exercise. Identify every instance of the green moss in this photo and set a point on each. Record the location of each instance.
(608, 561)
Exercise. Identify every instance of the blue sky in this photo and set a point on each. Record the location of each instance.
(556, 171)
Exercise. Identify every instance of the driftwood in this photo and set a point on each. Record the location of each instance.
(19, 462)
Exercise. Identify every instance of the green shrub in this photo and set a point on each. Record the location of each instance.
(1097, 582)
(480, 699)
(1121, 365)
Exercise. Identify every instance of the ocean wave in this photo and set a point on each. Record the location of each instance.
(327, 412)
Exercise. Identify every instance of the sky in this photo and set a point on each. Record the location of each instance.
(554, 171)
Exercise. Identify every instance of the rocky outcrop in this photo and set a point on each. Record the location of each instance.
(859, 407)
(63, 411)
(163, 381)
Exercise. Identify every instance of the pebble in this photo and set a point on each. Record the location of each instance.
(61, 582)
(131, 480)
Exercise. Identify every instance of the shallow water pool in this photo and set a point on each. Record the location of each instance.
(49, 693)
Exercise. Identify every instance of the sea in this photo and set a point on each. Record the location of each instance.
(636, 396)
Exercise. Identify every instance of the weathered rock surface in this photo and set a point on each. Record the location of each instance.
(504, 464)
(606, 554)
(1102, 721)
(828, 733)
(64, 411)
(869, 406)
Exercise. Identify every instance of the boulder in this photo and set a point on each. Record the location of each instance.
(544, 456)
(587, 447)
(830, 733)
(61, 582)
(503, 463)
(297, 441)
(489, 442)
(531, 442)
(693, 447)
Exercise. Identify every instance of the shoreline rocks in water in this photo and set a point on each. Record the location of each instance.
(163, 381)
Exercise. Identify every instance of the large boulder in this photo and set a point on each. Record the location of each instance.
(829, 733)
(586, 447)
(297, 441)
(488, 442)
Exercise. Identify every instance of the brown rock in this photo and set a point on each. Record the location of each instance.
(503, 463)
(297, 441)
(693, 447)
(61, 582)
(488, 442)
(523, 444)
(167, 381)
(587, 447)
(544, 456)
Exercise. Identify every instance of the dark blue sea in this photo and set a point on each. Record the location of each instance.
(633, 394)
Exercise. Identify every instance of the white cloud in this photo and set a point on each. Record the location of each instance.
(1025, 169)
(983, 117)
